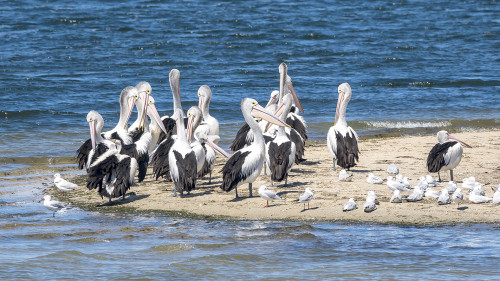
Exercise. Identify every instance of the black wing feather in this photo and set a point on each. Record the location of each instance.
(161, 167)
(435, 159)
(232, 171)
(187, 171)
(169, 124)
(347, 150)
(278, 156)
(241, 138)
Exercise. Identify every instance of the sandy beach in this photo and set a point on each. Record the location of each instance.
(408, 153)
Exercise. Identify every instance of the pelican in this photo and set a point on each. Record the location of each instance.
(280, 151)
(293, 119)
(342, 140)
(112, 174)
(161, 166)
(245, 165)
(446, 154)
(137, 128)
(97, 145)
(127, 101)
(204, 97)
(182, 159)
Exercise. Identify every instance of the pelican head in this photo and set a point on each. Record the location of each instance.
(144, 89)
(444, 136)
(204, 97)
(194, 116)
(291, 89)
(344, 97)
(128, 97)
(95, 123)
(154, 115)
(274, 98)
(252, 106)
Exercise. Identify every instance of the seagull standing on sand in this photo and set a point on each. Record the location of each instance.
(369, 205)
(53, 205)
(373, 179)
(350, 205)
(306, 197)
(344, 176)
(63, 185)
(396, 197)
(267, 195)
(457, 196)
(393, 169)
(444, 197)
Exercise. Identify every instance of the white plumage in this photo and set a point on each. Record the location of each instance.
(267, 195)
(396, 197)
(444, 197)
(53, 205)
(63, 185)
(350, 205)
(344, 176)
(373, 179)
(306, 197)
(369, 205)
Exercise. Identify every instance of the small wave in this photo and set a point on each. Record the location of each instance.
(172, 248)
(407, 124)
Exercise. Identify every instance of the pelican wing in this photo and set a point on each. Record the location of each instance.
(232, 172)
(435, 159)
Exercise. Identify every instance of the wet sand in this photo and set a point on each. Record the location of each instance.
(409, 153)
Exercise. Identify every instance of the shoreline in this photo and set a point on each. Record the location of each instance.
(208, 201)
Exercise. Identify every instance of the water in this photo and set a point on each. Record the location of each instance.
(415, 67)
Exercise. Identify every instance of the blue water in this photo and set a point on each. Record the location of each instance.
(414, 67)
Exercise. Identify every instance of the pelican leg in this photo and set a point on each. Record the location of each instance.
(286, 181)
(265, 170)
(335, 169)
(272, 184)
(236, 190)
(210, 178)
(439, 176)
(250, 189)
(451, 175)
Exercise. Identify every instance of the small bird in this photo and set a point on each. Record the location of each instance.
(344, 176)
(63, 185)
(429, 192)
(417, 195)
(369, 205)
(422, 183)
(444, 197)
(496, 197)
(53, 205)
(395, 184)
(431, 181)
(350, 205)
(306, 197)
(396, 197)
(373, 179)
(478, 190)
(457, 196)
(468, 183)
(451, 187)
(478, 199)
(267, 194)
(372, 194)
(393, 169)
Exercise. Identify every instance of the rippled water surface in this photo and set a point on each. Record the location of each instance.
(414, 67)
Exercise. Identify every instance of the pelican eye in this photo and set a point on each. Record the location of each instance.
(254, 103)
(148, 90)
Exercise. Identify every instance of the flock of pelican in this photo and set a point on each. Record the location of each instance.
(182, 147)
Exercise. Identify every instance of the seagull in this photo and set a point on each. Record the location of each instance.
(457, 196)
(350, 205)
(422, 183)
(468, 183)
(373, 179)
(451, 187)
(429, 192)
(344, 176)
(396, 197)
(372, 194)
(306, 197)
(431, 181)
(396, 185)
(369, 205)
(417, 195)
(267, 194)
(393, 169)
(496, 197)
(63, 185)
(444, 197)
(477, 199)
(53, 205)
(478, 190)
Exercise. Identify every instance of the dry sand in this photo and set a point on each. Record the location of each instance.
(408, 153)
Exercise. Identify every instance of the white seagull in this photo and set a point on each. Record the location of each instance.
(417, 195)
(396, 197)
(53, 205)
(496, 197)
(393, 169)
(267, 195)
(477, 199)
(372, 194)
(451, 187)
(344, 176)
(444, 197)
(63, 185)
(373, 179)
(395, 184)
(306, 197)
(369, 205)
(431, 181)
(457, 196)
(429, 192)
(350, 205)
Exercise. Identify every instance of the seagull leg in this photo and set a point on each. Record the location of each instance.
(451, 175)
(267, 205)
(250, 189)
(210, 178)
(308, 205)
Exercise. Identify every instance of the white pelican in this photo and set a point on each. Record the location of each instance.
(63, 185)
(293, 119)
(267, 195)
(446, 154)
(350, 205)
(204, 97)
(306, 197)
(245, 165)
(53, 205)
(127, 102)
(182, 159)
(112, 174)
(280, 151)
(96, 144)
(137, 128)
(342, 140)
